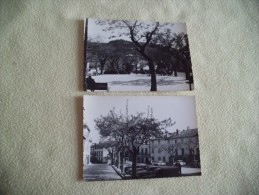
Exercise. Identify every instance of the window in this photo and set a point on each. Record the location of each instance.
(152, 150)
(159, 158)
(176, 141)
(142, 151)
(176, 152)
(152, 157)
(182, 151)
(168, 141)
(145, 150)
(164, 158)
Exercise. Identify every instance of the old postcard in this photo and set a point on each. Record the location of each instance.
(122, 55)
(139, 137)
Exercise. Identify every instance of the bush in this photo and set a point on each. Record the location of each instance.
(110, 72)
(122, 72)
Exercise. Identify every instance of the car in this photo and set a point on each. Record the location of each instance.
(182, 163)
(149, 172)
(171, 171)
(126, 166)
(139, 166)
(158, 172)
(159, 163)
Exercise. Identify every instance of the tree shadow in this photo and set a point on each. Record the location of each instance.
(146, 82)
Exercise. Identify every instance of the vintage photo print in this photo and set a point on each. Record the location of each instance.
(140, 137)
(122, 55)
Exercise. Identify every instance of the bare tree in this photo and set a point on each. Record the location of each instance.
(141, 34)
(98, 52)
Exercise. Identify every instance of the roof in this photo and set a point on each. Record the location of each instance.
(184, 133)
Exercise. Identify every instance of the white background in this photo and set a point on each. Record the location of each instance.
(41, 94)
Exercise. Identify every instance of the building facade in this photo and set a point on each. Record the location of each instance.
(180, 145)
(98, 154)
(86, 144)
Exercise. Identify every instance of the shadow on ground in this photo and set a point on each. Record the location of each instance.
(145, 82)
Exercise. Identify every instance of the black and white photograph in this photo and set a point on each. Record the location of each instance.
(122, 55)
(140, 137)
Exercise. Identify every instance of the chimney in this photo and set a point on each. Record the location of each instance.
(177, 132)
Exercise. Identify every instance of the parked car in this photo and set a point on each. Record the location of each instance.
(158, 172)
(159, 163)
(182, 163)
(139, 166)
(149, 172)
(195, 164)
(126, 166)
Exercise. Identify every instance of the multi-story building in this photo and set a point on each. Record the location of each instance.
(180, 145)
(98, 154)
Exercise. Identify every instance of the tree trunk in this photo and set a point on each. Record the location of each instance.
(112, 158)
(118, 68)
(151, 69)
(175, 73)
(153, 75)
(134, 162)
(117, 159)
(122, 161)
(102, 66)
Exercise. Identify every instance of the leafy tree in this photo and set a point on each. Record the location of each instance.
(131, 131)
(140, 131)
(112, 127)
(192, 144)
(174, 44)
(100, 52)
(114, 61)
(112, 147)
(171, 149)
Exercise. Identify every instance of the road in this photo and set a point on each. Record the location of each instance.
(186, 171)
(97, 172)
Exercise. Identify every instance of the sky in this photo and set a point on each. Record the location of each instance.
(181, 109)
(96, 31)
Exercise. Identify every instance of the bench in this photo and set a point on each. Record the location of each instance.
(100, 86)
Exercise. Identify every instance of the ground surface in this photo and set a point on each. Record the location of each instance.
(97, 172)
(141, 82)
(190, 170)
(100, 172)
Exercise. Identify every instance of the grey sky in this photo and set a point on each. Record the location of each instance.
(181, 109)
(95, 31)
